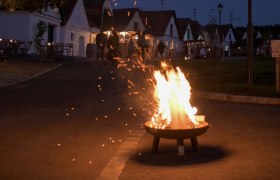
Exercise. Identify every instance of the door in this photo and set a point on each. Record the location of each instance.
(82, 49)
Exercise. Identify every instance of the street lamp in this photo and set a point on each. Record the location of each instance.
(220, 9)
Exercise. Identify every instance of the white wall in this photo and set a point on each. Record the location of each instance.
(190, 38)
(172, 42)
(78, 25)
(21, 25)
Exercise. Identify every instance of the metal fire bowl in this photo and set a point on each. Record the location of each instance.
(170, 133)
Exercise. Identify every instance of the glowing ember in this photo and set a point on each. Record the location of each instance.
(172, 92)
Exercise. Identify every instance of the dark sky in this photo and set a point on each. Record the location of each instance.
(265, 12)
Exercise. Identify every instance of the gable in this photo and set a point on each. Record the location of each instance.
(259, 36)
(78, 17)
(135, 19)
(188, 34)
(174, 27)
(244, 36)
(230, 36)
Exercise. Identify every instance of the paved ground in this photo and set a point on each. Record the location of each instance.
(61, 125)
(17, 70)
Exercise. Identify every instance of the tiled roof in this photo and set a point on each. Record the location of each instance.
(122, 17)
(182, 26)
(94, 9)
(239, 33)
(67, 10)
(195, 26)
(211, 29)
(157, 21)
(222, 29)
(94, 12)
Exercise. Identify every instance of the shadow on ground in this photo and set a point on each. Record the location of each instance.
(167, 156)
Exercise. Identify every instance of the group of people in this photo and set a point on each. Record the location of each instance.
(113, 45)
(141, 43)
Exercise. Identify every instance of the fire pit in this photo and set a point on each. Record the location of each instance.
(178, 134)
(174, 117)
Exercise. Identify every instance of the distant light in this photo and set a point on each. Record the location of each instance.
(187, 58)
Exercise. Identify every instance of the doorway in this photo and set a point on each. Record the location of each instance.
(82, 49)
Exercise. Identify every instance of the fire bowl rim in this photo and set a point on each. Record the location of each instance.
(176, 133)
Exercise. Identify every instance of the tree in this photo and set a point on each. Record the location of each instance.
(31, 5)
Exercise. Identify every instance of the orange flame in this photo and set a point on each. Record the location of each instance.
(172, 92)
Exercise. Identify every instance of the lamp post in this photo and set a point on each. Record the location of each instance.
(220, 9)
(250, 43)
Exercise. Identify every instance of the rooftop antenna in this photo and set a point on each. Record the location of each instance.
(161, 3)
(194, 13)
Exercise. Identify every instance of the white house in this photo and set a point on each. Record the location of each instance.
(21, 25)
(162, 25)
(75, 27)
(74, 23)
(226, 33)
(192, 35)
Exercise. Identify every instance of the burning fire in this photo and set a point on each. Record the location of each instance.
(172, 93)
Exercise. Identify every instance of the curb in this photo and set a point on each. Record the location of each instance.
(236, 98)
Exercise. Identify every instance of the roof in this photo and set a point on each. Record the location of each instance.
(239, 33)
(122, 17)
(222, 29)
(157, 21)
(94, 9)
(67, 10)
(183, 24)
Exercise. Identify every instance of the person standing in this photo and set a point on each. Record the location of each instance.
(101, 41)
(142, 44)
(130, 48)
(114, 47)
(161, 48)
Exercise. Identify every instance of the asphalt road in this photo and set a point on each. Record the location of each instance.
(81, 122)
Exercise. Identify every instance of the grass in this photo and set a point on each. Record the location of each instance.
(230, 76)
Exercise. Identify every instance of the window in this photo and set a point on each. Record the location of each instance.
(171, 30)
(50, 33)
(135, 26)
(188, 34)
(72, 36)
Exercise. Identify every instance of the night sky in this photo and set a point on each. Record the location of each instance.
(265, 12)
